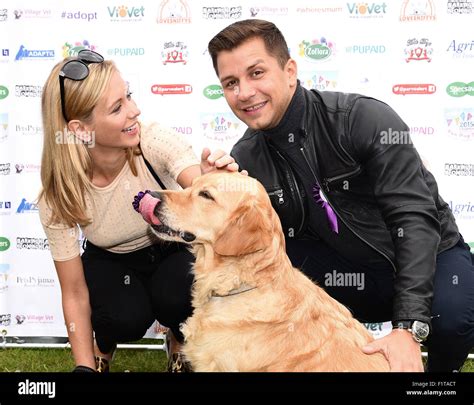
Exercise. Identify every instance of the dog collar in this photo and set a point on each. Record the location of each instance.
(243, 288)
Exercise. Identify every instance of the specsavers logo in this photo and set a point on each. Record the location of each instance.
(460, 89)
(213, 92)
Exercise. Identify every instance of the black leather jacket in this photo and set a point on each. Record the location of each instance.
(377, 186)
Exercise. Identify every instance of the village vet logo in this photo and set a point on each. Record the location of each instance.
(28, 387)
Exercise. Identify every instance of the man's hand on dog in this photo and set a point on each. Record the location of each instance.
(400, 349)
(218, 160)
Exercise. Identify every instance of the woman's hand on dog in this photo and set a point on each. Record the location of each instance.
(218, 160)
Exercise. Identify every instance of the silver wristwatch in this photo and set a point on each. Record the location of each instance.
(418, 329)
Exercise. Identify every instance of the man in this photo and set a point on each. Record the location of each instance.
(362, 216)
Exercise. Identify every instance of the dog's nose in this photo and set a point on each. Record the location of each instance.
(145, 204)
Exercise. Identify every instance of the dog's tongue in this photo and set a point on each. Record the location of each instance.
(147, 207)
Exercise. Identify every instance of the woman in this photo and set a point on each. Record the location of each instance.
(93, 164)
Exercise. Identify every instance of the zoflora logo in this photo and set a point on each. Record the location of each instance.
(3, 92)
(456, 89)
(317, 50)
(213, 92)
(4, 244)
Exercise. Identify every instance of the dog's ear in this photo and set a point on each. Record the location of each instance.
(249, 230)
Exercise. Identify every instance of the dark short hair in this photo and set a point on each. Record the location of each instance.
(237, 33)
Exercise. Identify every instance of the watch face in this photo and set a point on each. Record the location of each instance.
(420, 329)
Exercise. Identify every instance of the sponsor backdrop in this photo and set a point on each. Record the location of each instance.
(418, 56)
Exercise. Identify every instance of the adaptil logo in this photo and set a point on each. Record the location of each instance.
(418, 50)
(27, 207)
(460, 89)
(73, 49)
(165, 89)
(417, 10)
(220, 127)
(3, 92)
(174, 12)
(460, 123)
(366, 10)
(405, 89)
(174, 52)
(4, 244)
(213, 92)
(126, 13)
(317, 50)
(36, 54)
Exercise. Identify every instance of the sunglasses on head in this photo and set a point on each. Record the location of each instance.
(77, 69)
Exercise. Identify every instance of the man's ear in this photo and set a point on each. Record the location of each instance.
(291, 70)
(80, 131)
(248, 231)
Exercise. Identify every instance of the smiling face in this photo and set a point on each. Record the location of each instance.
(256, 87)
(115, 117)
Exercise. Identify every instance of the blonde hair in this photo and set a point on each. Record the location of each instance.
(66, 165)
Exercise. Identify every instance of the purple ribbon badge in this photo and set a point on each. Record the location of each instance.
(320, 199)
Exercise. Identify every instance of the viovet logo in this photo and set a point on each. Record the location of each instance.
(366, 10)
(405, 89)
(166, 89)
(126, 13)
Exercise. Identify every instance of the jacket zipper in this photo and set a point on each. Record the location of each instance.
(279, 194)
(300, 199)
(344, 176)
(339, 216)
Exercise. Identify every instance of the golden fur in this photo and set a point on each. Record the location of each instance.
(275, 318)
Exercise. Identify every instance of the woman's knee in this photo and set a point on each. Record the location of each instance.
(171, 288)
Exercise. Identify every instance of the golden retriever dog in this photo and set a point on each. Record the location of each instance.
(253, 311)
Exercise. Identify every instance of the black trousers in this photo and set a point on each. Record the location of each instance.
(369, 295)
(127, 292)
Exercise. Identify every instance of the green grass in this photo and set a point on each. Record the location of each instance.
(54, 360)
(126, 360)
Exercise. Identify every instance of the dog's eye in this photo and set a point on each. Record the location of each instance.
(205, 194)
